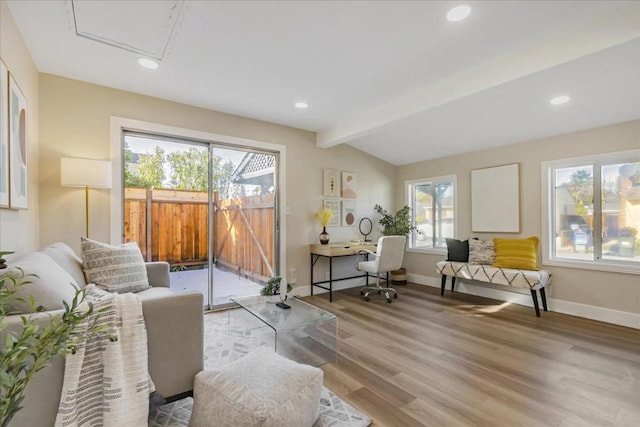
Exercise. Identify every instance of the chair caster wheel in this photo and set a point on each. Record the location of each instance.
(395, 296)
(389, 300)
(366, 298)
(362, 292)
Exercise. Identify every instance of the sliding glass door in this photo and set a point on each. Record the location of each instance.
(207, 209)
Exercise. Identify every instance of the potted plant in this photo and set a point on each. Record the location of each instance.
(398, 224)
(273, 287)
(25, 353)
(324, 216)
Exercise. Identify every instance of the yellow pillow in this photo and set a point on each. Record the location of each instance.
(516, 253)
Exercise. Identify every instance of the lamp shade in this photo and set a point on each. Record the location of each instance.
(93, 173)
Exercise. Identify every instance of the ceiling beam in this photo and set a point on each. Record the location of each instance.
(618, 26)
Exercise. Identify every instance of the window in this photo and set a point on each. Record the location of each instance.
(593, 206)
(433, 211)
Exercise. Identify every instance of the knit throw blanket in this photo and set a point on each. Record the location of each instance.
(106, 382)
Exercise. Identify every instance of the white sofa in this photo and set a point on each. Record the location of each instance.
(174, 323)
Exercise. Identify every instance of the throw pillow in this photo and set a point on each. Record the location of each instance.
(50, 286)
(516, 253)
(117, 269)
(457, 250)
(481, 252)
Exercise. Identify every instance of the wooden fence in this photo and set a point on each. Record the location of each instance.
(177, 228)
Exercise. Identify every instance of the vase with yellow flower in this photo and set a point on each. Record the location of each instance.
(324, 216)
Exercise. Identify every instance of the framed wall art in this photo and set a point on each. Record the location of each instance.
(495, 199)
(4, 136)
(334, 205)
(348, 213)
(18, 180)
(331, 184)
(349, 185)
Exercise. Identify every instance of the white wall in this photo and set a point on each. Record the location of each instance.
(19, 228)
(613, 291)
(75, 122)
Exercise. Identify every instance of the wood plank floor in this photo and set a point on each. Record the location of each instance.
(461, 360)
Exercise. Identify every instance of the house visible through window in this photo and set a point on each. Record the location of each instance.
(594, 211)
(433, 214)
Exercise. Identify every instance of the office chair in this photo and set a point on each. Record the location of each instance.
(388, 257)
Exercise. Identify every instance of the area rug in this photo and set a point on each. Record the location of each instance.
(229, 336)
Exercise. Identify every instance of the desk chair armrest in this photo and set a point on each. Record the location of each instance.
(366, 252)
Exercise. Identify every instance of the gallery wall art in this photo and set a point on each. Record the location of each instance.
(495, 199)
(349, 185)
(4, 136)
(331, 185)
(334, 205)
(18, 173)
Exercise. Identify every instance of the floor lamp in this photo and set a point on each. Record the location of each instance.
(85, 173)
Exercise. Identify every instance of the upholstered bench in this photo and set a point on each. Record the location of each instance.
(533, 280)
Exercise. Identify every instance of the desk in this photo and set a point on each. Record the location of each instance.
(331, 251)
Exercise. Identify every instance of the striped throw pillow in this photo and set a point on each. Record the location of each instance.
(516, 253)
(116, 269)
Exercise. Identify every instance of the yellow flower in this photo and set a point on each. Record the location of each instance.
(324, 216)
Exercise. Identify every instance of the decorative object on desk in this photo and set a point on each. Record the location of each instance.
(4, 137)
(324, 216)
(331, 183)
(333, 205)
(348, 213)
(3, 262)
(398, 224)
(85, 173)
(365, 226)
(349, 185)
(19, 176)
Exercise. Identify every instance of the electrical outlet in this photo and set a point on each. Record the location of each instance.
(326, 276)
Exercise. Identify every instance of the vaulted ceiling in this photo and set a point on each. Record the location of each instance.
(395, 79)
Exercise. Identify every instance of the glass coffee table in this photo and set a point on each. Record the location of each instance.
(303, 333)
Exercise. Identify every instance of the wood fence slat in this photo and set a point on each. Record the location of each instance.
(178, 232)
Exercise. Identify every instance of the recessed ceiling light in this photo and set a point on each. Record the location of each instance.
(148, 63)
(458, 13)
(559, 100)
(301, 105)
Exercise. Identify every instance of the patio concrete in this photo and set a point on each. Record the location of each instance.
(225, 284)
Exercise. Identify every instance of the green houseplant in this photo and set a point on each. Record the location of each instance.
(273, 287)
(396, 224)
(24, 353)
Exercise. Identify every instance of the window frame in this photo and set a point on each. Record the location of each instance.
(409, 186)
(549, 206)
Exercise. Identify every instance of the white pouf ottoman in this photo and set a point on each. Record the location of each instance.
(261, 389)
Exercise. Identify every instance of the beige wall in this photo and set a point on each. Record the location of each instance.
(19, 228)
(75, 122)
(608, 290)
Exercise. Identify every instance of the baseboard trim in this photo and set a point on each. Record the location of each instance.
(607, 315)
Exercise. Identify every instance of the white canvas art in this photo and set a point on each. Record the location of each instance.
(334, 205)
(331, 184)
(349, 185)
(19, 185)
(348, 213)
(4, 136)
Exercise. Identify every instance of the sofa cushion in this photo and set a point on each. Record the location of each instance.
(64, 256)
(481, 252)
(114, 268)
(457, 250)
(49, 287)
(516, 253)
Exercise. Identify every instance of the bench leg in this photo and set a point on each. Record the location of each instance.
(453, 282)
(534, 295)
(443, 283)
(543, 294)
